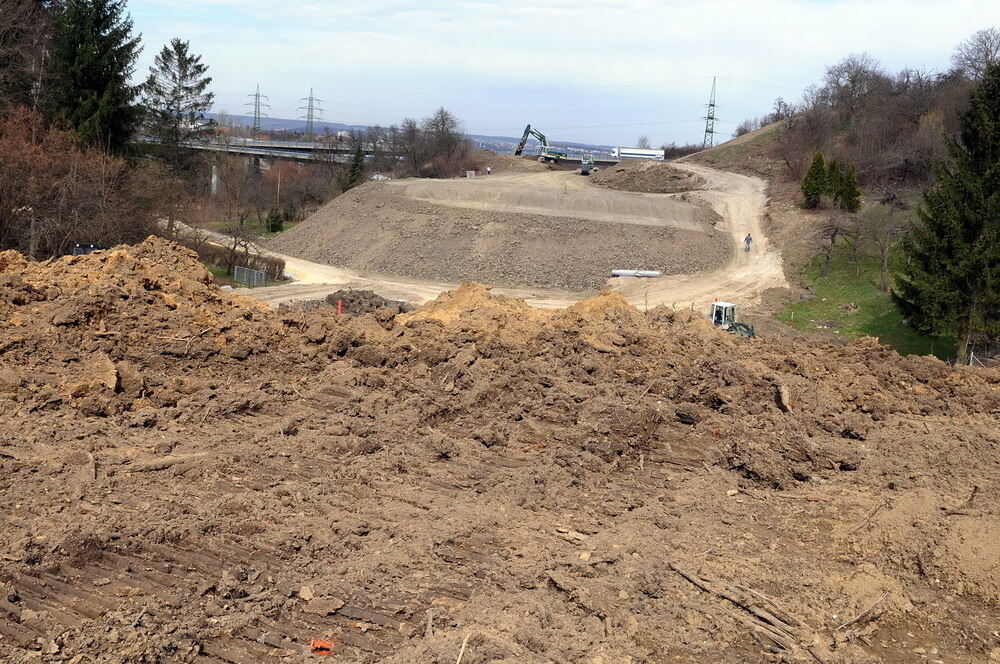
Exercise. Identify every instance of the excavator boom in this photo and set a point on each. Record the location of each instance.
(528, 131)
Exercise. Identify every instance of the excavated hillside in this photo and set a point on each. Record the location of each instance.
(377, 227)
(186, 476)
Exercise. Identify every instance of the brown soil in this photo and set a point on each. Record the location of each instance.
(648, 177)
(188, 477)
(356, 302)
(376, 228)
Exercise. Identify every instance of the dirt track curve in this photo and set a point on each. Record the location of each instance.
(738, 199)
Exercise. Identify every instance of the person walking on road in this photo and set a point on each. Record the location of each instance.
(747, 241)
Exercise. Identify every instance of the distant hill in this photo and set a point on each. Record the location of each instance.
(499, 144)
(284, 124)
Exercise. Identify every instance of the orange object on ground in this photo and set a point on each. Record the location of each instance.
(320, 647)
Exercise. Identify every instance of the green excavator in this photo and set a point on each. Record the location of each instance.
(546, 153)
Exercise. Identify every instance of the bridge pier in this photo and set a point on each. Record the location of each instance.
(215, 179)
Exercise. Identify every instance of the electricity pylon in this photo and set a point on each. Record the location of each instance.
(256, 107)
(710, 119)
(312, 110)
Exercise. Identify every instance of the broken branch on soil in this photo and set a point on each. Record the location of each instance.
(768, 622)
(868, 516)
(162, 464)
(462, 651)
(865, 612)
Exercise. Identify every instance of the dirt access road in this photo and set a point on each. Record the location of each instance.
(738, 199)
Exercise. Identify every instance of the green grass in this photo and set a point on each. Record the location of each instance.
(219, 273)
(848, 302)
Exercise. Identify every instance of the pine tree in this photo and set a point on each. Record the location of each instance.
(175, 98)
(815, 182)
(354, 175)
(950, 282)
(849, 195)
(93, 61)
(834, 181)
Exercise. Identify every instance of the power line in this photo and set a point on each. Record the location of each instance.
(312, 109)
(710, 119)
(256, 106)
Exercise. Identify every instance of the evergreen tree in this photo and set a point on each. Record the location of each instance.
(814, 184)
(175, 98)
(93, 59)
(355, 174)
(950, 282)
(834, 181)
(849, 196)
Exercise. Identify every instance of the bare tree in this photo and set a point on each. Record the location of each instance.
(848, 82)
(56, 193)
(239, 188)
(882, 227)
(25, 32)
(642, 143)
(832, 231)
(978, 52)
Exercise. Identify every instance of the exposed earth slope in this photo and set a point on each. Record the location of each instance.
(468, 233)
(533, 230)
(187, 476)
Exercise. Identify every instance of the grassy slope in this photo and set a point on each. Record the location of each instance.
(848, 301)
(751, 154)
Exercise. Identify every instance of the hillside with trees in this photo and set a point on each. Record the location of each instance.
(891, 125)
(889, 189)
(73, 170)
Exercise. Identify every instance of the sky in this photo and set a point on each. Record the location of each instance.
(595, 71)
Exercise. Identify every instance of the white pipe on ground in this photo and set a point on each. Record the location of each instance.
(649, 274)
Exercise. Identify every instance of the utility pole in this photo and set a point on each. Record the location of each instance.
(255, 106)
(312, 110)
(710, 119)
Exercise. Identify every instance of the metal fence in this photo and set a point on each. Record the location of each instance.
(252, 278)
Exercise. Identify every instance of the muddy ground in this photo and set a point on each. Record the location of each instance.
(187, 476)
(376, 228)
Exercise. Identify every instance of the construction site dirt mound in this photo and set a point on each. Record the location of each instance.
(188, 477)
(357, 302)
(376, 228)
(648, 177)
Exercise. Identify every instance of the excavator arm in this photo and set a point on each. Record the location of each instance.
(528, 131)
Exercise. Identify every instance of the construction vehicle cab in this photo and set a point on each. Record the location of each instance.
(723, 313)
(724, 316)
(587, 164)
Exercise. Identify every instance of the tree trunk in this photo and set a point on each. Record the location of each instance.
(964, 335)
(884, 280)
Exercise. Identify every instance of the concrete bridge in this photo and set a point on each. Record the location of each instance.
(309, 150)
(291, 150)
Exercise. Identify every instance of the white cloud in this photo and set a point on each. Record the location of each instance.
(570, 63)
